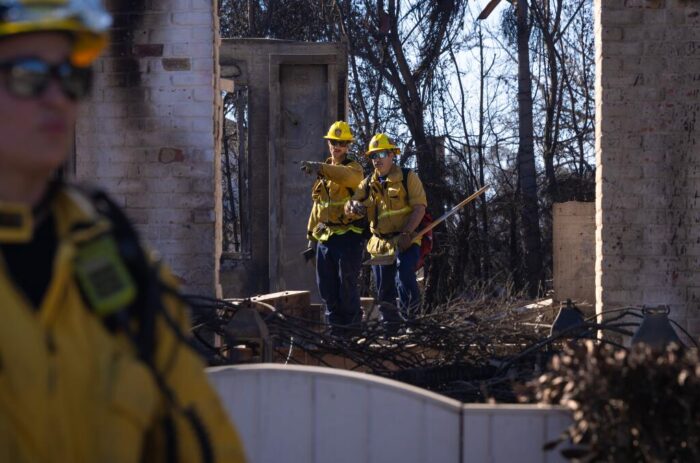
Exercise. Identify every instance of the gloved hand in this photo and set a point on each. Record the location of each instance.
(405, 240)
(355, 209)
(319, 229)
(311, 167)
(310, 252)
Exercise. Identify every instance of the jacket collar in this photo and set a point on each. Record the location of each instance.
(395, 175)
(69, 207)
(18, 220)
(16, 223)
(347, 160)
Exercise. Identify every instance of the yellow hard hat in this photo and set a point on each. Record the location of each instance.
(381, 142)
(87, 20)
(340, 130)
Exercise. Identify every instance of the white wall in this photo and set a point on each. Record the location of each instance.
(318, 415)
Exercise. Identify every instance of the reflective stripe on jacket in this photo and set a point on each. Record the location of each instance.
(329, 195)
(73, 391)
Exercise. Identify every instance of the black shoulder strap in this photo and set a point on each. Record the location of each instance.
(367, 180)
(370, 220)
(404, 180)
(148, 300)
(146, 307)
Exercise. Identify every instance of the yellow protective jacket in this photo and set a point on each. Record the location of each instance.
(389, 206)
(73, 391)
(336, 186)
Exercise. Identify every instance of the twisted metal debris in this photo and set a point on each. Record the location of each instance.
(473, 351)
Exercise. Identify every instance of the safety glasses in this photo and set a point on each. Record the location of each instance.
(30, 77)
(379, 154)
(339, 142)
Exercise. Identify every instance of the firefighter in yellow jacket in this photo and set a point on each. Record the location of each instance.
(337, 238)
(94, 360)
(395, 207)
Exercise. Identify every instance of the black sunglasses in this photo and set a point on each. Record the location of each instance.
(379, 154)
(30, 77)
(339, 142)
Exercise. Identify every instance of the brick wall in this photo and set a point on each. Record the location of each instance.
(648, 157)
(148, 133)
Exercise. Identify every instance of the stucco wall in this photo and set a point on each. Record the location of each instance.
(648, 163)
(147, 135)
(573, 245)
(318, 415)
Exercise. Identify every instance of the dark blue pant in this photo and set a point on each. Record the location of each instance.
(338, 263)
(398, 279)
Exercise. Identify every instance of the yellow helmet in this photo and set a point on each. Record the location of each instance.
(340, 130)
(381, 142)
(87, 20)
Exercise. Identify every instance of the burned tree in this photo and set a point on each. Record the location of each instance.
(409, 76)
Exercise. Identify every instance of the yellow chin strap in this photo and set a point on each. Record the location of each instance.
(16, 223)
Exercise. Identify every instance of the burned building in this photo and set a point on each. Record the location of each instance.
(152, 135)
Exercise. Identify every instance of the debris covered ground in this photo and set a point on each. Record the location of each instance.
(473, 351)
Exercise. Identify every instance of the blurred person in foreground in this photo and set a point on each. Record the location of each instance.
(94, 358)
